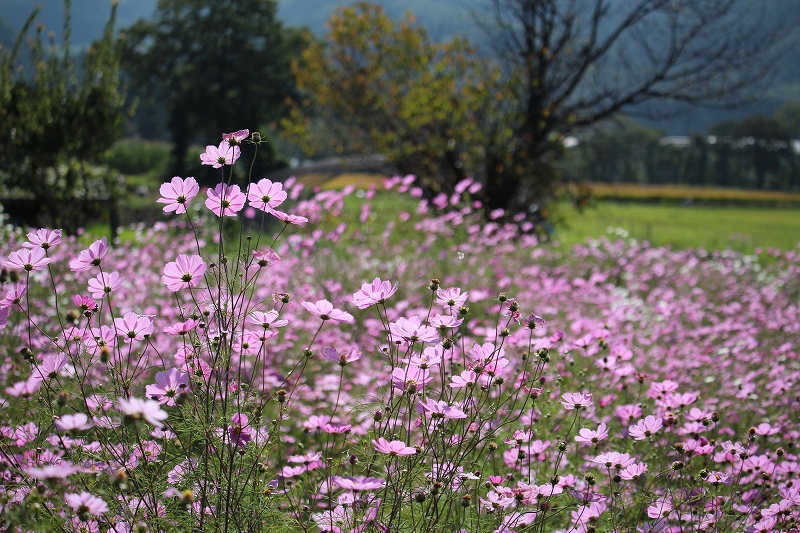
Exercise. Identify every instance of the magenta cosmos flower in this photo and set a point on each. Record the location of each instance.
(134, 327)
(85, 504)
(43, 238)
(91, 257)
(185, 271)
(373, 293)
(168, 386)
(138, 409)
(266, 195)
(177, 194)
(28, 259)
(395, 447)
(324, 309)
(217, 156)
(225, 200)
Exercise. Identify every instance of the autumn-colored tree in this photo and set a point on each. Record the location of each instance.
(376, 86)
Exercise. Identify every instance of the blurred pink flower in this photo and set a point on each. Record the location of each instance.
(86, 504)
(147, 410)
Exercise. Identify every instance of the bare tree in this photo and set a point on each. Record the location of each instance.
(574, 62)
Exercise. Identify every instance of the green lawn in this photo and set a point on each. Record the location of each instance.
(742, 229)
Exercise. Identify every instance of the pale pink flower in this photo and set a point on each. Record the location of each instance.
(633, 471)
(439, 409)
(358, 483)
(343, 358)
(411, 330)
(217, 156)
(451, 298)
(395, 447)
(182, 328)
(134, 327)
(168, 386)
(576, 400)
(297, 220)
(177, 194)
(138, 409)
(104, 283)
(266, 195)
(325, 310)
(645, 428)
(86, 504)
(28, 259)
(186, 271)
(236, 137)
(91, 257)
(74, 422)
(373, 293)
(43, 238)
(267, 320)
(590, 436)
(467, 378)
(225, 200)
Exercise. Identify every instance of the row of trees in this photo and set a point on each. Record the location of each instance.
(755, 153)
(443, 111)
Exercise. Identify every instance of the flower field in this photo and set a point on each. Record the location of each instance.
(270, 360)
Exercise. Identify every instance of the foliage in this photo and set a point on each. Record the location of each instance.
(373, 86)
(214, 65)
(58, 121)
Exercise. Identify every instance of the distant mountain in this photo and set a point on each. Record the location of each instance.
(444, 19)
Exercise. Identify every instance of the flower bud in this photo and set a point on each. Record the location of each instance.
(434, 285)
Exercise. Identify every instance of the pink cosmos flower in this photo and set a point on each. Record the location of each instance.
(325, 310)
(133, 326)
(4, 312)
(267, 320)
(186, 271)
(74, 422)
(85, 504)
(297, 220)
(91, 257)
(57, 471)
(14, 296)
(51, 366)
(266, 257)
(358, 483)
(444, 322)
(576, 400)
(410, 379)
(169, 385)
(411, 330)
(247, 343)
(225, 200)
(266, 195)
(240, 433)
(104, 283)
(28, 259)
(633, 472)
(43, 238)
(336, 429)
(177, 194)
(451, 298)
(373, 293)
(589, 436)
(395, 447)
(217, 156)
(329, 353)
(182, 328)
(645, 428)
(440, 409)
(466, 379)
(138, 409)
(614, 459)
(236, 137)
(84, 303)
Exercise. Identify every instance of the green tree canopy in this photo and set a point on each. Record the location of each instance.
(57, 122)
(218, 66)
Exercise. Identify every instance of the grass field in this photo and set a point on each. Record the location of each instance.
(711, 227)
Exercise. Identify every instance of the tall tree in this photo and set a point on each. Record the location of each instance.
(219, 66)
(581, 61)
(56, 122)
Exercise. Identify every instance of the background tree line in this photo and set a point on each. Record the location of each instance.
(443, 111)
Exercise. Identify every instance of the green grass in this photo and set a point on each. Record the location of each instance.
(742, 229)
